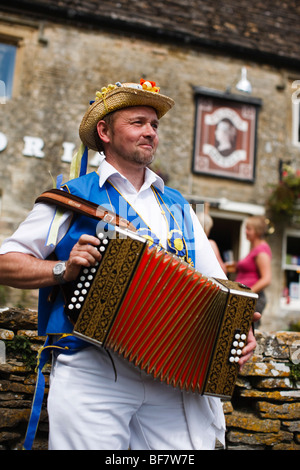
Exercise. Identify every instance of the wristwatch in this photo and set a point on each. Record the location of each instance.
(59, 271)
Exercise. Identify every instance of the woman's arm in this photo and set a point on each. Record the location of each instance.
(263, 263)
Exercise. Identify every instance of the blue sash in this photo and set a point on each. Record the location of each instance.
(67, 344)
(176, 213)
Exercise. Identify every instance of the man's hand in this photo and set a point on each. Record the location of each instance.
(83, 253)
(251, 344)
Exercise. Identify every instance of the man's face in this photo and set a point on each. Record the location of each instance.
(132, 136)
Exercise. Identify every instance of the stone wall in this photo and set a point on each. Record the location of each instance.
(264, 413)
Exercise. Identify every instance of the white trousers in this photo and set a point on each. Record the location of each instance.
(90, 410)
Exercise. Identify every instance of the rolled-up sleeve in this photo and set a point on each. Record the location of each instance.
(31, 235)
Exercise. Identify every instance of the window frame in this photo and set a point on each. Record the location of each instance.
(6, 91)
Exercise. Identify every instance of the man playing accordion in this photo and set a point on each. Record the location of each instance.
(97, 400)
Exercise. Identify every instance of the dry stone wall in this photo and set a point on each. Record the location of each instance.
(265, 410)
(264, 413)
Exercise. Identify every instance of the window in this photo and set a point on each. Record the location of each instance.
(296, 113)
(296, 124)
(7, 66)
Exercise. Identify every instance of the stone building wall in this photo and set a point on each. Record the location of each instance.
(264, 413)
(59, 77)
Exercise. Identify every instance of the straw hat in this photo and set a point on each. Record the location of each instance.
(118, 96)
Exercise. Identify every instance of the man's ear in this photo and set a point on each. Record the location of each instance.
(103, 131)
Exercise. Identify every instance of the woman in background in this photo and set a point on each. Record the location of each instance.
(255, 269)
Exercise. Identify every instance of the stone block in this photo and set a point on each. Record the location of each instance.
(11, 418)
(293, 426)
(285, 411)
(270, 383)
(6, 334)
(227, 407)
(266, 369)
(260, 438)
(250, 422)
(280, 395)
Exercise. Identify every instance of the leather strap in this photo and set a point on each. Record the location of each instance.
(82, 206)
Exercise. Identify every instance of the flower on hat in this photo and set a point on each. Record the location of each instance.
(149, 85)
(104, 90)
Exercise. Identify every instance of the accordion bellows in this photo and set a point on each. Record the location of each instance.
(162, 315)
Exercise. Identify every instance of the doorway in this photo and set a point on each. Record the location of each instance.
(226, 233)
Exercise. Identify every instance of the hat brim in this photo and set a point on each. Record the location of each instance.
(119, 98)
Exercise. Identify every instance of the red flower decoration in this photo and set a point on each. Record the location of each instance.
(149, 85)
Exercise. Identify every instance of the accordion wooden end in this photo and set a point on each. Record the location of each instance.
(162, 315)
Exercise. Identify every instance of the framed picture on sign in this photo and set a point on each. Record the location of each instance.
(225, 135)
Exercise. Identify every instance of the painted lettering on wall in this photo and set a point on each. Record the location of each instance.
(34, 147)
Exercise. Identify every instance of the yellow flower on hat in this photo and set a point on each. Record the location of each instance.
(104, 90)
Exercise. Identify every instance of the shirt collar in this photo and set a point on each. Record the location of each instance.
(106, 171)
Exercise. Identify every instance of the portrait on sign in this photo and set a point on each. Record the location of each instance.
(225, 137)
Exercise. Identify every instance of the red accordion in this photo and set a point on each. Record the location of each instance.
(162, 315)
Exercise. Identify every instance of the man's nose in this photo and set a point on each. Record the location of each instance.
(149, 130)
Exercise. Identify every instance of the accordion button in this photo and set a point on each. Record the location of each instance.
(243, 337)
(84, 291)
(231, 359)
(79, 285)
(78, 306)
(85, 271)
(70, 306)
(233, 351)
(237, 336)
(90, 278)
(235, 344)
(93, 270)
(100, 235)
(73, 299)
(82, 278)
(102, 248)
(241, 344)
(236, 359)
(81, 299)
(87, 284)
(239, 352)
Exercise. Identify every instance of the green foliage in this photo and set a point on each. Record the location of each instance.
(20, 347)
(295, 373)
(294, 326)
(285, 196)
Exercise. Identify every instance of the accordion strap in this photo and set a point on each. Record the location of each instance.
(82, 206)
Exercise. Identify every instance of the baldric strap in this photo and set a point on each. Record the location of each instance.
(82, 206)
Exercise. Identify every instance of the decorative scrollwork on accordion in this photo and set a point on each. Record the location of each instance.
(162, 315)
